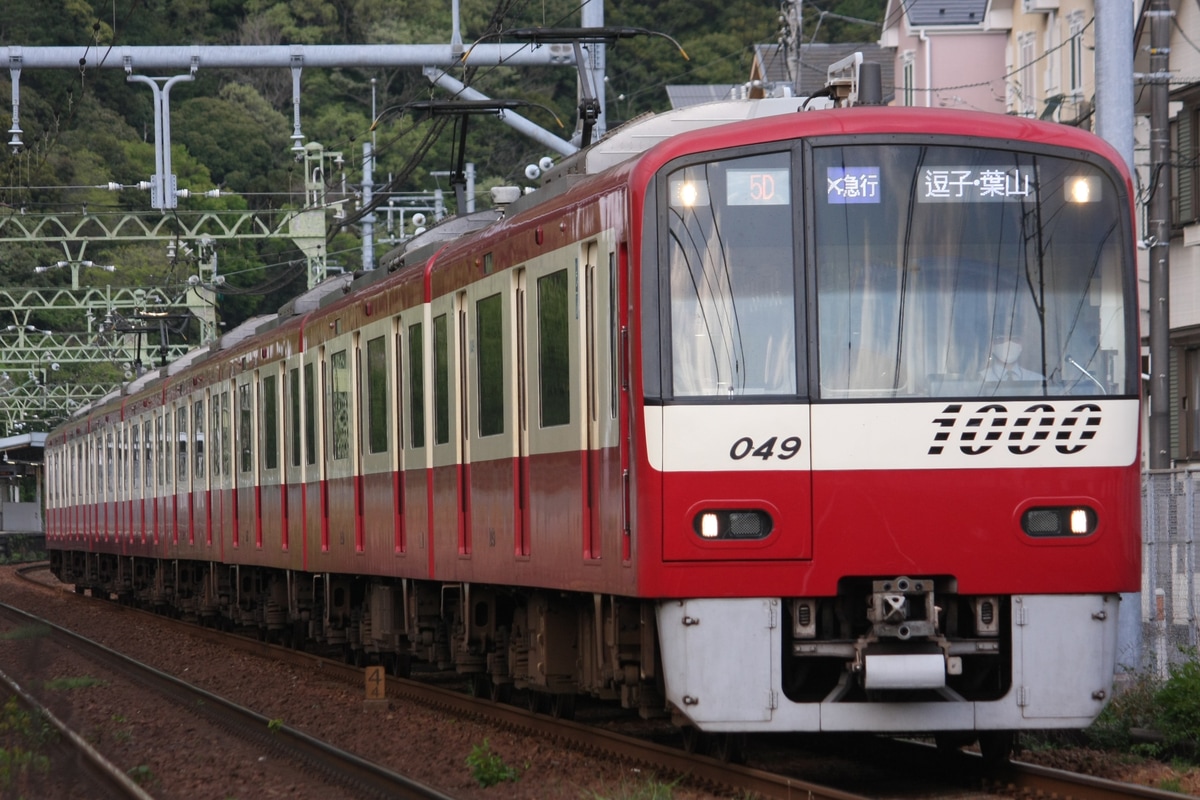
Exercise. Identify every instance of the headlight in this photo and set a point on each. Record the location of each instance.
(1059, 521)
(742, 524)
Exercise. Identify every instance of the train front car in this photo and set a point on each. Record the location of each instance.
(889, 370)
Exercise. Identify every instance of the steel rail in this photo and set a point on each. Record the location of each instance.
(104, 775)
(340, 766)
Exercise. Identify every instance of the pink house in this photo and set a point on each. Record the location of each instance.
(949, 53)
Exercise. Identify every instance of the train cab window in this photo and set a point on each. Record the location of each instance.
(554, 359)
(966, 272)
(339, 405)
(730, 250)
(270, 421)
(489, 334)
(198, 438)
(416, 385)
(245, 427)
(441, 381)
(377, 395)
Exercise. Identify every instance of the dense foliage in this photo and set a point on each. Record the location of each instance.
(85, 128)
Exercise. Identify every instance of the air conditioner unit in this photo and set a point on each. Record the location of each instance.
(1039, 6)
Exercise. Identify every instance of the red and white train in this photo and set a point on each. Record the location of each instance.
(772, 419)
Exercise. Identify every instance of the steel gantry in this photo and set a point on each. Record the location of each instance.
(114, 321)
(114, 325)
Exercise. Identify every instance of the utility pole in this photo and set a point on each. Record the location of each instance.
(792, 23)
(1159, 235)
(1114, 77)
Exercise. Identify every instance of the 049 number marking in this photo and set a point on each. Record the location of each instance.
(743, 447)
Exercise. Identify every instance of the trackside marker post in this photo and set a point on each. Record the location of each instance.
(376, 686)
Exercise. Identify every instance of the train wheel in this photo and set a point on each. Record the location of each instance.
(298, 631)
(402, 665)
(562, 706)
(694, 740)
(501, 692)
(951, 741)
(730, 747)
(537, 702)
(996, 746)
(481, 685)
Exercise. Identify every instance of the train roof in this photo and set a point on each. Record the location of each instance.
(621, 144)
(642, 133)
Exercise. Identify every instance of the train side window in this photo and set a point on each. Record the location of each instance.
(294, 420)
(554, 365)
(310, 422)
(441, 381)
(270, 422)
(399, 390)
(226, 434)
(122, 462)
(490, 337)
(110, 466)
(159, 455)
(198, 438)
(148, 443)
(416, 385)
(614, 336)
(245, 427)
(215, 403)
(181, 433)
(339, 405)
(377, 395)
(135, 459)
(169, 447)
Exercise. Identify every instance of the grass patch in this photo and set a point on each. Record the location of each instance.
(1167, 712)
(66, 684)
(25, 632)
(23, 734)
(487, 768)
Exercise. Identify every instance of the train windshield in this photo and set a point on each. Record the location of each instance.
(967, 272)
(939, 271)
(731, 255)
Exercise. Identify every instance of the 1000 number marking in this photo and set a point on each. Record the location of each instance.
(744, 447)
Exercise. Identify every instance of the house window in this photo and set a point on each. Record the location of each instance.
(1187, 426)
(1028, 74)
(1052, 40)
(1185, 209)
(908, 67)
(1075, 25)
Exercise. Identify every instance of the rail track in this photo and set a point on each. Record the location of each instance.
(336, 766)
(65, 751)
(959, 774)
